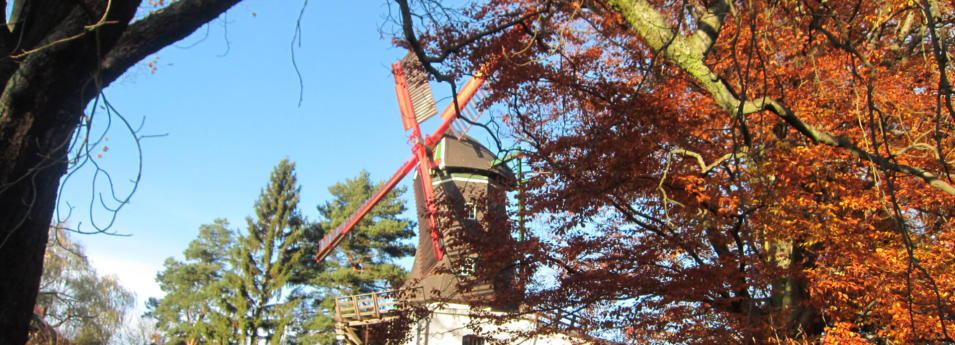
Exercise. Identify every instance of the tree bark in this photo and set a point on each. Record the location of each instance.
(57, 56)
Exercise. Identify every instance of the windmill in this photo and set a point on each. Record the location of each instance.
(457, 170)
(459, 192)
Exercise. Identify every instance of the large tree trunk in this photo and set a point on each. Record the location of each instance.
(27, 206)
(41, 104)
(57, 56)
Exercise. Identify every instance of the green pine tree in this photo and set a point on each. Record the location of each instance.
(194, 309)
(265, 259)
(363, 262)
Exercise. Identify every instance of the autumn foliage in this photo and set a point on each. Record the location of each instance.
(726, 171)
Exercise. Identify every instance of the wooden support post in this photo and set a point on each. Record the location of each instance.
(350, 334)
(354, 300)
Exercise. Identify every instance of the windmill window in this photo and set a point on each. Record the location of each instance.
(472, 339)
(468, 267)
(470, 211)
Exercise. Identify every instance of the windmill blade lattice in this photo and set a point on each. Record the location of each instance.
(471, 112)
(422, 100)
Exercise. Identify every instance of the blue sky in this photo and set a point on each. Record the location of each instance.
(227, 97)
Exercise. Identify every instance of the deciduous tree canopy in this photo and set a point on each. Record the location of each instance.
(726, 171)
(75, 300)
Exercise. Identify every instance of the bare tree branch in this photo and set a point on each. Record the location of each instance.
(704, 168)
(160, 29)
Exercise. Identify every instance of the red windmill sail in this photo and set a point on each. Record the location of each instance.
(410, 102)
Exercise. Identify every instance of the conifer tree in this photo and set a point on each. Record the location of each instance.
(363, 262)
(265, 258)
(194, 309)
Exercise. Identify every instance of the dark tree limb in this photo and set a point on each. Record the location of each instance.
(57, 57)
(158, 30)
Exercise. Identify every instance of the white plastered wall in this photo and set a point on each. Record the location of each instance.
(447, 324)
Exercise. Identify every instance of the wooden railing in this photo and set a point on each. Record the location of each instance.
(559, 317)
(366, 307)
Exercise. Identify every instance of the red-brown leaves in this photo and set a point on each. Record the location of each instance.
(670, 220)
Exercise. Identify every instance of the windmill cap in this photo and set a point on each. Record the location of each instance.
(468, 155)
